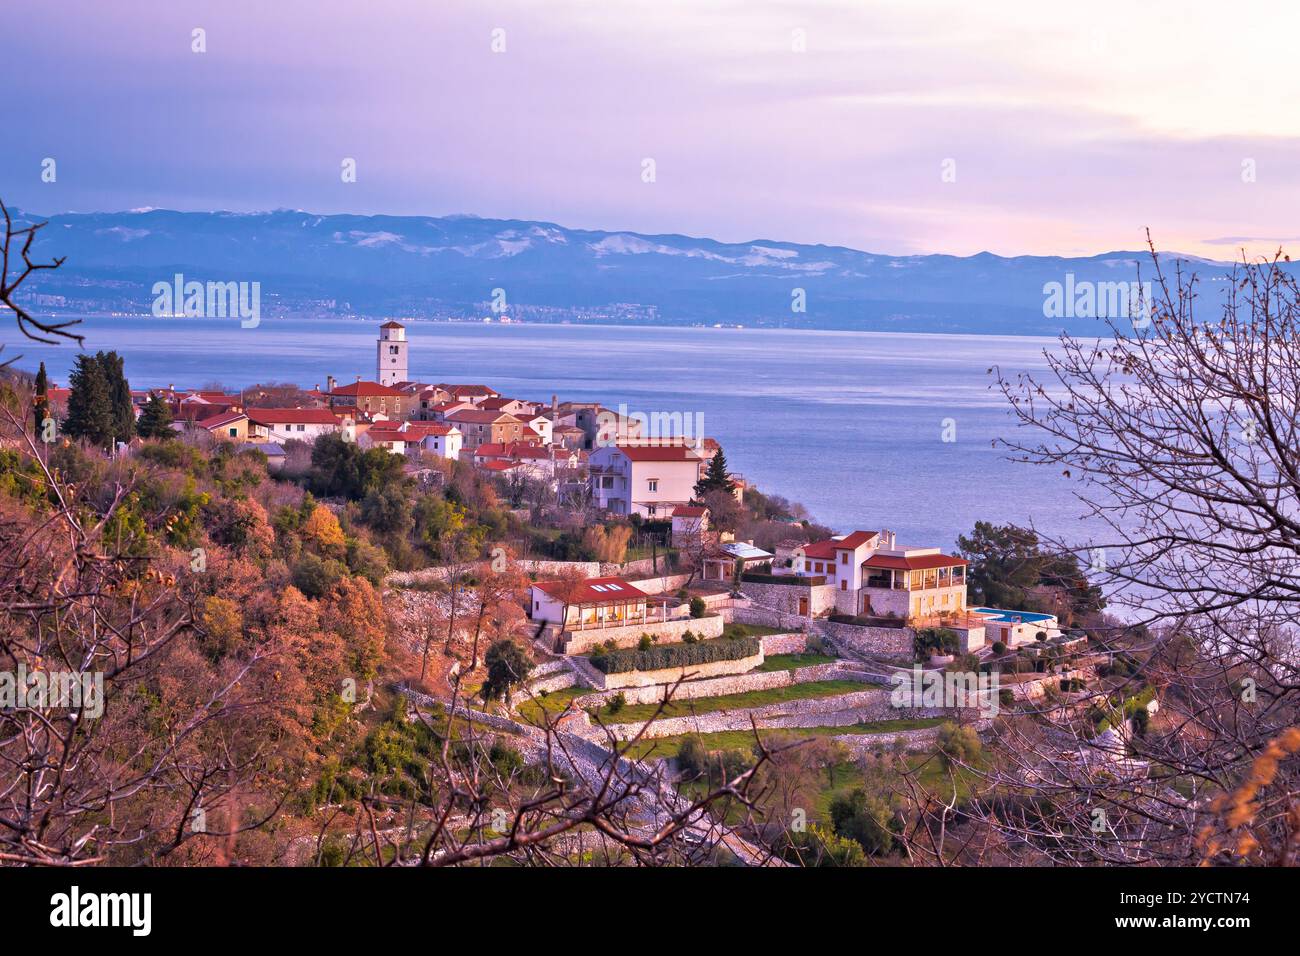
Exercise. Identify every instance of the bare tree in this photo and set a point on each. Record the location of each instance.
(1183, 433)
(18, 245)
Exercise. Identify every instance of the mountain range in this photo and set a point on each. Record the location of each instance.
(450, 267)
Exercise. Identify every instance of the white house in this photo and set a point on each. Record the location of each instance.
(650, 479)
(437, 438)
(304, 424)
(595, 602)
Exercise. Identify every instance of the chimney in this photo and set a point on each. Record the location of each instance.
(358, 378)
(329, 383)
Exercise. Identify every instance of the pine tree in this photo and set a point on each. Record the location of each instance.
(155, 419)
(42, 397)
(89, 406)
(715, 477)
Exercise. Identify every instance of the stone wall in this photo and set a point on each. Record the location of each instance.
(795, 642)
(737, 683)
(785, 597)
(765, 617)
(653, 681)
(664, 584)
(668, 632)
(842, 710)
(890, 642)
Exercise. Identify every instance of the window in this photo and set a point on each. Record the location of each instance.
(234, 433)
(844, 585)
(844, 557)
(302, 428)
(653, 483)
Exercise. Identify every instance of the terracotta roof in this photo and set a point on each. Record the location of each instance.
(820, 550)
(358, 389)
(471, 390)
(475, 417)
(921, 562)
(295, 416)
(497, 464)
(658, 453)
(855, 540)
(689, 511)
(425, 429)
(392, 325)
(592, 590)
(216, 421)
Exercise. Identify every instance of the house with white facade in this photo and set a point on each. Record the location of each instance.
(304, 424)
(650, 479)
(874, 576)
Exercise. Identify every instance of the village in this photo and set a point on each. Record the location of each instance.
(853, 639)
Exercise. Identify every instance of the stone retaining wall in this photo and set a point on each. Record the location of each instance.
(841, 710)
(784, 598)
(891, 642)
(795, 642)
(655, 680)
(668, 632)
(738, 683)
(664, 584)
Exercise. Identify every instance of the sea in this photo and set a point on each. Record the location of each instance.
(864, 429)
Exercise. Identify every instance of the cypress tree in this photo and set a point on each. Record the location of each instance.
(42, 398)
(90, 415)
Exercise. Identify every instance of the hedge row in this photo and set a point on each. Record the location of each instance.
(675, 655)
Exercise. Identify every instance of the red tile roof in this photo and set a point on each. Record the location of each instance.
(285, 416)
(855, 540)
(360, 389)
(689, 511)
(820, 550)
(658, 453)
(425, 429)
(392, 325)
(475, 417)
(592, 591)
(217, 421)
(496, 464)
(472, 390)
(921, 562)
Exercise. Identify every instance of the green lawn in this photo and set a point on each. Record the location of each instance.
(531, 711)
(634, 713)
(744, 739)
(790, 662)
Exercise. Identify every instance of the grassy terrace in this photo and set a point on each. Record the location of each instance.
(532, 711)
(790, 662)
(632, 713)
(744, 739)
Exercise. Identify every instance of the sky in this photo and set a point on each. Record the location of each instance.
(894, 127)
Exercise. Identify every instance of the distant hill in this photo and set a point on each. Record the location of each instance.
(417, 266)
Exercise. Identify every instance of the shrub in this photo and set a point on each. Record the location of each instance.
(645, 643)
(999, 648)
(617, 702)
(688, 637)
(675, 655)
(1006, 698)
(866, 818)
(957, 744)
(935, 640)
(698, 607)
